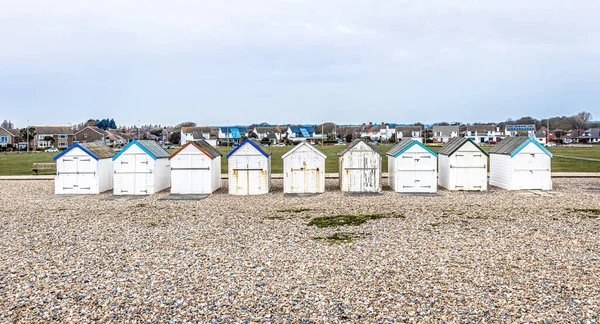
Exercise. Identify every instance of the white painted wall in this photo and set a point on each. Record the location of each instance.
(466, 169)
(193, 172)
(360, 170)
(137, 173)
(304, 170)
(79, 173)
(249, 172)
(415, 170)
(529, 169)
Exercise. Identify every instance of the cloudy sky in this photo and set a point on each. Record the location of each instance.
(307, 61)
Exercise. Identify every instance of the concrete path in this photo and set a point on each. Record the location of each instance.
(577, 158)
(327, 175)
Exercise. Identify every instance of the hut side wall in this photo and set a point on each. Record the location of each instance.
(502, 171)
(162, 174)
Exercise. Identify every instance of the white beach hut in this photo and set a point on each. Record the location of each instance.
(360, 168)
(141, 168)
(520, 163)
(412, 167)
(462, 165)
(304, 170)
(195, 169)
(249, 169)
(84, 168)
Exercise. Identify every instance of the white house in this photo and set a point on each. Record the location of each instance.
(141, 168)
(360, 168)
(304, 170)
(300, 133)
(191, 134)
(520, 163)
(414, 132)
(249, 169)
(271, 133)
(462, 165)
(519, 130)
(591, 136)
(412, 167)
(195, 169)
(443, 134)
(483, 133)
(84, 168)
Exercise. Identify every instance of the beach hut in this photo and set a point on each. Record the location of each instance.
(249, 169)
(462, 165)
(412, 167)
(84, 168)
(304, 170)
(520, 163)
(195, 169)
(141, 168)
(360, 168)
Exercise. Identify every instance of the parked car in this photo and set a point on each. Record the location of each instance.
(266, 145)
(551, 144)
(279, 145)
(51, 150)
(375, 143)
(169, 147)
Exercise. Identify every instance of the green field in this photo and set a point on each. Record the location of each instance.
(20, 164)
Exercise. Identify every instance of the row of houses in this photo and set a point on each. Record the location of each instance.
(64, 136)
(144, 167)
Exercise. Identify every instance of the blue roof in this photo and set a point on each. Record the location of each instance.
(150, 147)
(302, 129)
(520, 127)
(530, 140)
(75, 145)
(252, 142)
(404, 145)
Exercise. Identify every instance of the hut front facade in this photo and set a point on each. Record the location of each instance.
(249, 169)
(412, 167)
(141, 168)
(360, 168)
(304, 170)
(84, 168)
(195, 169)
(462, 165)
(518, 163)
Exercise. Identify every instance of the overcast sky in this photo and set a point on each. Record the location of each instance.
(214, 62)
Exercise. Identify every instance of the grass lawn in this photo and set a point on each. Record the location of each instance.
(20, 164)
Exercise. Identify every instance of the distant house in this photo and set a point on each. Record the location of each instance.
(90, 134)
(443, 134)
(590, 136)
(381, 132)
(192, 134)
(300, 133)
(267, 132)
(541, 137)
(414, 132)
(483, 133)
(9, 137)
(232, 134)
(573, 136)
(114, 138)
(519, 130)
(57, 136)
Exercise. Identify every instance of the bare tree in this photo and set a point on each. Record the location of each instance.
(581, 120)
(7, 124)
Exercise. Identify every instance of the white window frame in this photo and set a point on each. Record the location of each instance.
(3, 139)
(62, 136)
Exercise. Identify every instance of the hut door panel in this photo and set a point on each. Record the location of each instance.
(127, 183)
(85, 164)
(304, 177)
(256, 175)
(406, 180)
(69, 183)
(199, 174)
(370, 181)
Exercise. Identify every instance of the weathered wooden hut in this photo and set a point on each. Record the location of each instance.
(462, 165)
(520, 163)
(360, 168)
(141, 168)
(304, 170)
(249, 169)
(84, 168)
(195, 169)
(412, 167)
